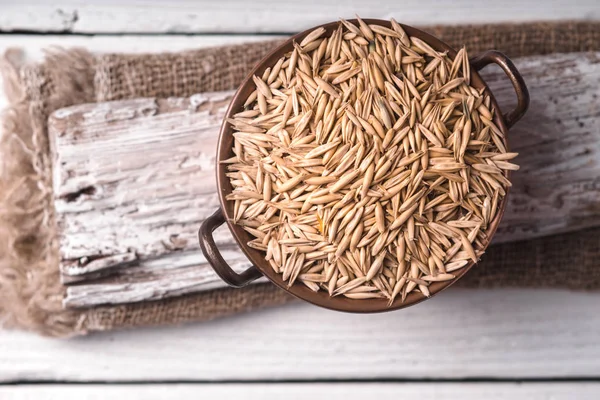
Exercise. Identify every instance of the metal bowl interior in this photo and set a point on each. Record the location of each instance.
(322, 298)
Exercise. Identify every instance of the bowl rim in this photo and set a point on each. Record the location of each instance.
(256, 257)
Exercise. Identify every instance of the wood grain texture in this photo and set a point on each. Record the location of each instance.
(505, 333)
(201, 16)
(297, 391)
(130, 176)
(133, 217)
(134, 212)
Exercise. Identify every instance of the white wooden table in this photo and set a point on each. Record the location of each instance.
(464, 344)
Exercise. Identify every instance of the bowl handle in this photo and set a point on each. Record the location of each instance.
(493, 56)
(211, 252)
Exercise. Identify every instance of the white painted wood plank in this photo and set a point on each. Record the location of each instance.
(330, 391)
(461, 333)
(120, 16)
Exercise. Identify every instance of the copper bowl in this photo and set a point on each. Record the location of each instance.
(261, 266)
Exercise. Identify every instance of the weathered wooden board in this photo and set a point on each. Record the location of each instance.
(134, 180)
(297, 391)
(129, 176)
(496, 334)
(202, 16)
(135, 214)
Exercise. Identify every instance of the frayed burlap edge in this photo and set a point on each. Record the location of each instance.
(30, 289)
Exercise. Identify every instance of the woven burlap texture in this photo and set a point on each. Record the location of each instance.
(30, 291)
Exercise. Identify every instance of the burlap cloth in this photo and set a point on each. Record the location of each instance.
(30, 291)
